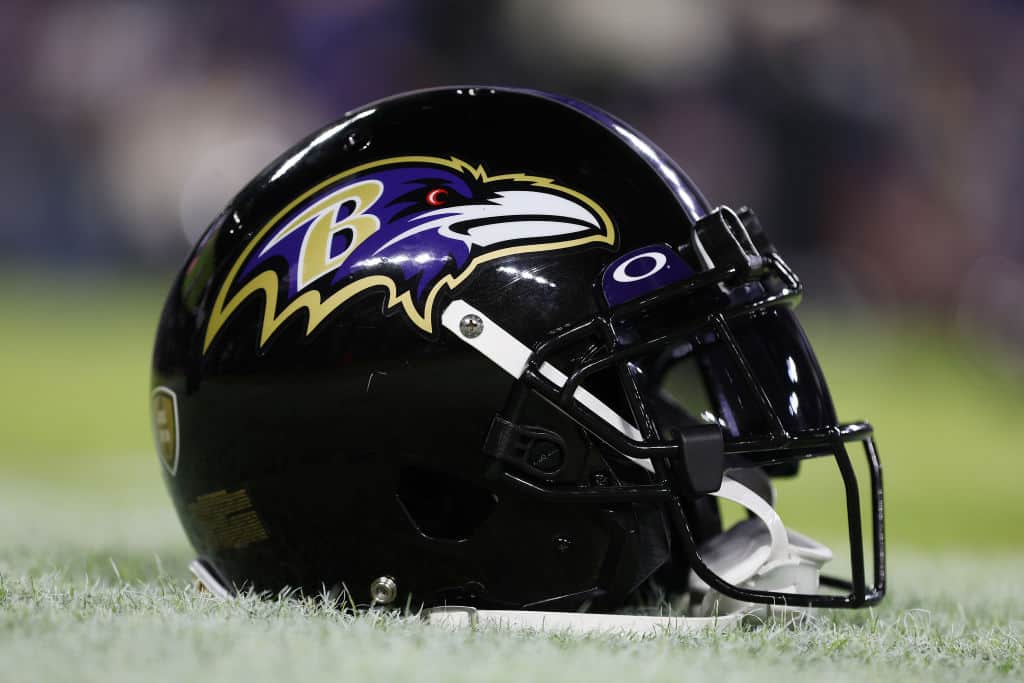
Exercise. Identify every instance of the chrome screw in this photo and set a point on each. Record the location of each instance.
(383, 590)
(471, 326)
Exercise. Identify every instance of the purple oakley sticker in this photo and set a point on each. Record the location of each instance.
(641, 272)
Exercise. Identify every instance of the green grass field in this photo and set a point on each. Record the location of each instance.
(92, 563)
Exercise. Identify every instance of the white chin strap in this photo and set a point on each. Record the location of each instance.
(759, 552)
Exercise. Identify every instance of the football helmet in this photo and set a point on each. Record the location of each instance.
(492, 348)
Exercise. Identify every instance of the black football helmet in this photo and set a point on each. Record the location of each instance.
(491, 347)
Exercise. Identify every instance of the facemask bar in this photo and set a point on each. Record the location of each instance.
(858, 593)
(695, 461)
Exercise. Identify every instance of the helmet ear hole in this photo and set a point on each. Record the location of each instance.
(441, 506)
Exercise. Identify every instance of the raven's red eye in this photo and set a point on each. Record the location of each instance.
(437, 197)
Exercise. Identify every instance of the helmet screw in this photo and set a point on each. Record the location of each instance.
(383, 590)
(562, 543)
(471, 326)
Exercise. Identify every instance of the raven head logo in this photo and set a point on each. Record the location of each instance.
(410, 226)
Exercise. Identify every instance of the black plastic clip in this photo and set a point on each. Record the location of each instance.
(757, 234)
(725, 238)
(536, 450)
(700, 465)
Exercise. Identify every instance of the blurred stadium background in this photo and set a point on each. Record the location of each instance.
(880, 142)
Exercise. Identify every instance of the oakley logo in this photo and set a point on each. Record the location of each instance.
(643, 271)
(648, 263)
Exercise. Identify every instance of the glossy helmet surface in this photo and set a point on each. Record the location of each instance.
(492, 347)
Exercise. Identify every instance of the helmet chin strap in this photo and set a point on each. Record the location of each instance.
(758, 552)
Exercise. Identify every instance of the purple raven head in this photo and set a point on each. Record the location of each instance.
(410, 225)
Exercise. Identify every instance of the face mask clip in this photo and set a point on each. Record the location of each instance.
(700, 465)
(721, 240)
(535, 450)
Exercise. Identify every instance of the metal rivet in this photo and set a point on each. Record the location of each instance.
(357, 141)
(383, 590)
(471, 326)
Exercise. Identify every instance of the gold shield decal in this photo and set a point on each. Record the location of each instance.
(164, 408)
